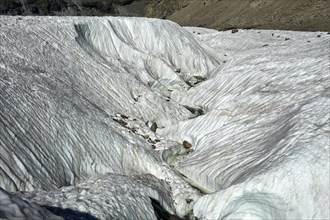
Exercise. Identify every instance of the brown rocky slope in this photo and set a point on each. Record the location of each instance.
(303, 15)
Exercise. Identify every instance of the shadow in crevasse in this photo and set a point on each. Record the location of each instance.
(69, 214)
(161, 213)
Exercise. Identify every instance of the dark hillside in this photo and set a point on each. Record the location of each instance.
(69, 7)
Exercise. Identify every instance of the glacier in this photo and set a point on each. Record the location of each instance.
(139, 118)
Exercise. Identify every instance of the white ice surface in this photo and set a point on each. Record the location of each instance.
(265, 146)
(77, 96)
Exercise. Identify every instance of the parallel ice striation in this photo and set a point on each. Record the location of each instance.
(263, 140)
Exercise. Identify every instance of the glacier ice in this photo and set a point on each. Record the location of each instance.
(78, 97)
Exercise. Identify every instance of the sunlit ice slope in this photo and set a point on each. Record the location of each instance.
(264, 150)
(98, 108)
